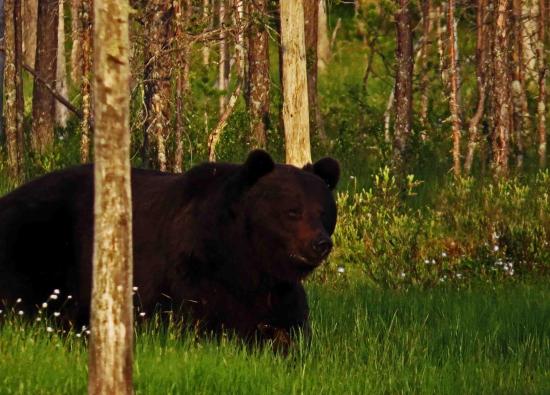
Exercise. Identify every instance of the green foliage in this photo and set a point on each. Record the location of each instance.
(365, 341)
(490, 231)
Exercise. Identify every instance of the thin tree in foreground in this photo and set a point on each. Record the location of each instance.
(110, 363)
(83, 61)
(403, 85)
(295, 94)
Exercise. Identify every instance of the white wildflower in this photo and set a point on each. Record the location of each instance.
(142, 314)
(57, 314)
(53, 296)
(19, 300)
(49, 329)
(44, 305)
(56, 291)
(341, 269)
(134, 289)
(20, 312)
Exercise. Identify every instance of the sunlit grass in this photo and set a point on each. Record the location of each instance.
(480, 340)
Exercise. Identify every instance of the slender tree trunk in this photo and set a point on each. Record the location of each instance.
(43, 103)
(519, 98)
(424, 74)
(206, 14)
(29, 14)
(222, 66)
(311, 29)
(182, 17)
(75, 38)
(2, 68)
(61, 112)
(258, 73)
(441, 40)
(295, 95)
(11, 82)
(84, 63)
(323, 43)
(19, 96)
(111, 343)
(453, 79)
(158, 72)
(501, 92)
(480, 77)
(403, 86)
(541, 100)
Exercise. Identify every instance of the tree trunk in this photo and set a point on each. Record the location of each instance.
(258, 73)
(61, 112)
(453, 80)
(403, 86)
(43, 102)
(501, 89)
(541, 100)
(75, 38)
(207, 16)
(111, 342)
(182, 17)
(323, 43)
(30, 12)
(311, 29)
(424, 76)
(158, 72)
(224, 53)
(295, 95)
(2, 68)
(84, 63)
(481, 60)
(13, 121)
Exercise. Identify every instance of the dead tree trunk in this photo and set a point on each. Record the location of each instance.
(295, 95)
(61, 112)
(424, 76)
(84, 63)
(501, 89)
(453, 84)
(480, 79)
(75, 38)
(29, 15)
(223, 71)
(111, 343)
(403, 86)
(158, 73)
(258, 73)
(12, 82)
(182, 17)
(323, 43)
(311, 29)
(541, 100)
(43, 102)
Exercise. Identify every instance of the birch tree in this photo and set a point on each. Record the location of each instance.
(323, 41)
(541, 100)
(111, 342)
(453, 85)
(61, 112)
(83, 63)
(294, 81)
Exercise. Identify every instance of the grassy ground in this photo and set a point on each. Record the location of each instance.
(477, 340)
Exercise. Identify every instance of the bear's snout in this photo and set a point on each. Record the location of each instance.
(322, 246)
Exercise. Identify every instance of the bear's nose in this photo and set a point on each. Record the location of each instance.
(322, 246)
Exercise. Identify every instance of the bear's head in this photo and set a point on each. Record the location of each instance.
(289, 214)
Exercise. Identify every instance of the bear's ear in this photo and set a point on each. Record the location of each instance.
(328, 169)
(257, 165)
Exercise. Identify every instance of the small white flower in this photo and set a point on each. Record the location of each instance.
(84, 327)
(427, 261)
(49, 329)
(1, 311)
(134, 289)
(53, 296)
(78, 335)
(56, 291)
(142, 314)
(44, 305)
(38, 319)
(459, 275)
(57, 314)
(403, 274)
(88, 332)
(19, 300)
(496, 248)
(20, 312)
(69, 296)
(433, 261)
(341, 269)
(444, 254)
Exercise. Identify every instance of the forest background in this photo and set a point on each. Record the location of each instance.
(436, 111)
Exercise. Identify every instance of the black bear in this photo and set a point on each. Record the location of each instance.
(226, 244)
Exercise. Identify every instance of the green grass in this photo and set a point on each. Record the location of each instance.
(478, 340)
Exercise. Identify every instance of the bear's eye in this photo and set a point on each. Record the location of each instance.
(294, 213)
